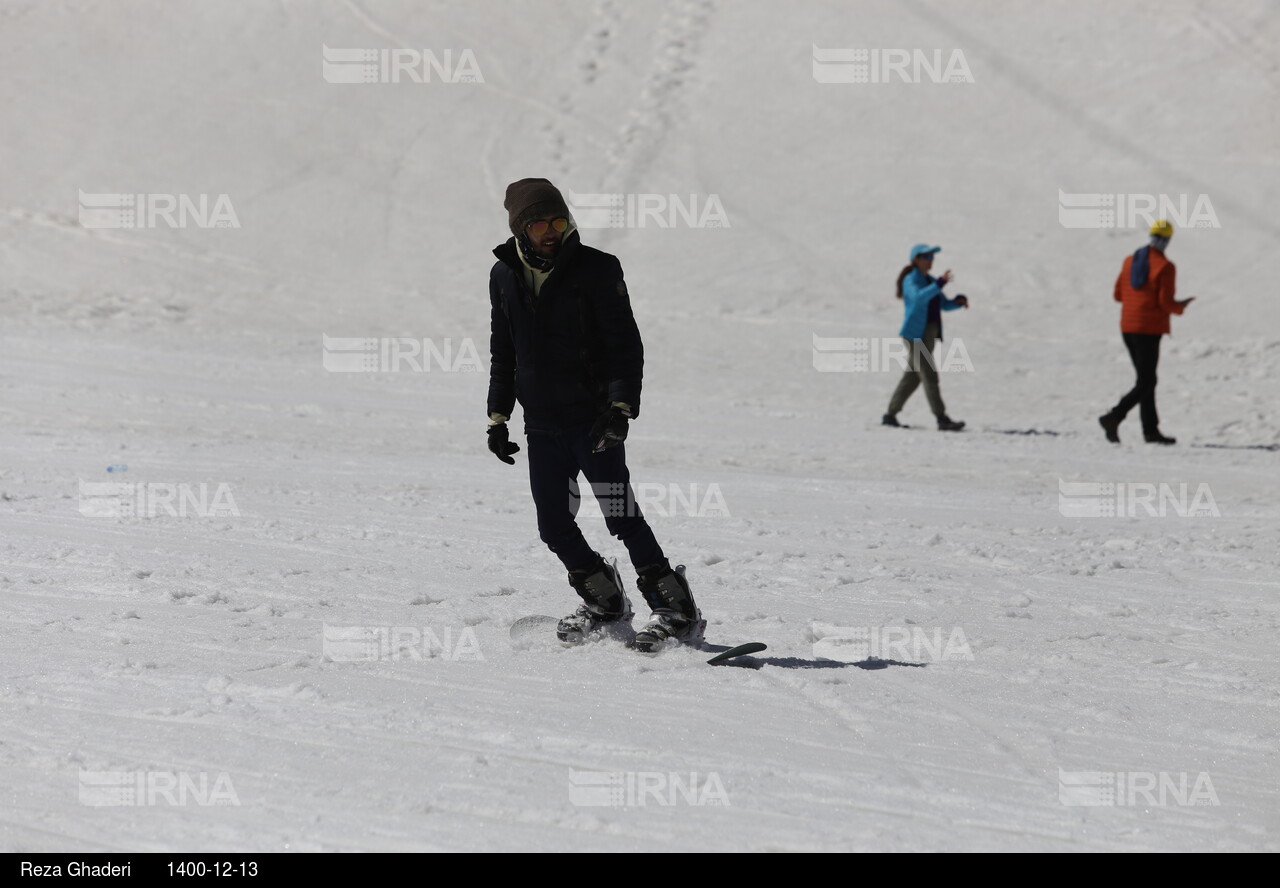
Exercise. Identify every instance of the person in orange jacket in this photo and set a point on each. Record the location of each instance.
(1145, 289)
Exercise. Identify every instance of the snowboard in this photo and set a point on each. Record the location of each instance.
(539, 627)
(526, 632)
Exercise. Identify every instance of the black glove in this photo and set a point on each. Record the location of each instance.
(610, 429)
(500, 443)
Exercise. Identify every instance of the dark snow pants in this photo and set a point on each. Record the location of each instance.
(555, 461)
(922, 367)
(1144, 351)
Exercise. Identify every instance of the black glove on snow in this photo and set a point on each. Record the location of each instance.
(610, 429)
(500, 443)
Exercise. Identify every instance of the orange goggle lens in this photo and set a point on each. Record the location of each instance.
(538, 229)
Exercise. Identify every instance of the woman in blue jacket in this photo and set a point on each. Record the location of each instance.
(924, 301)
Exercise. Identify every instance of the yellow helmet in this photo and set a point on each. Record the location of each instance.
(1162, 228)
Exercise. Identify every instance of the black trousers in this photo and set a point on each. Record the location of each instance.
(1144, 351)
(555, 461)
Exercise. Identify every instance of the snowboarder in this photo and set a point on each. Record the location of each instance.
(1145, 289)
(924, 303)
(564, 343)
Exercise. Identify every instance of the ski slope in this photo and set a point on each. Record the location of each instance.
(190, 645)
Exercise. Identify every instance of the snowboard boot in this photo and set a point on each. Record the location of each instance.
(1157, 438)
(676, 619)
(604, 604)
(947, 424)
(1111, 426)
(890, 420)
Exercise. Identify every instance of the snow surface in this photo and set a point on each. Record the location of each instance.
(194, 645)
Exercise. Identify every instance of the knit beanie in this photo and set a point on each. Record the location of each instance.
(529, 199)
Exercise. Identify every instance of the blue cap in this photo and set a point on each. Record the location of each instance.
(923, 250)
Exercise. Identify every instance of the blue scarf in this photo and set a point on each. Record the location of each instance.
(1140, 269)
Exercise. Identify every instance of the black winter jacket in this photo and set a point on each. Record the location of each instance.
(568, 355)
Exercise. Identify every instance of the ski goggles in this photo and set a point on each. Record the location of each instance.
(538, 229)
